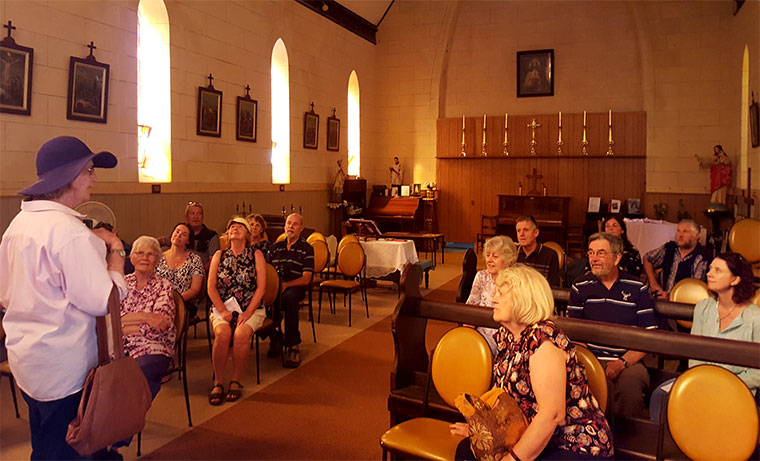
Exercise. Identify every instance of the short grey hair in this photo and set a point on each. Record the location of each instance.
(503, 245)
(694, 226)
(616, 243)
(144, 242)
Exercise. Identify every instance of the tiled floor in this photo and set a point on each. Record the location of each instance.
(167, 418)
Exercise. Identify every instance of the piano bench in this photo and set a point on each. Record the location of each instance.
(426, 265)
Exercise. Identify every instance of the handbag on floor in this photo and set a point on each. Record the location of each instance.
(115, 397)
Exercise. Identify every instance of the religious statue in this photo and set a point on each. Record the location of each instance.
(720, 175)
(397, 172)
(340, 178)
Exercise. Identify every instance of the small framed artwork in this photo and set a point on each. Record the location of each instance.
(535, 73)
(594, 203)
(16, 65)
(88, 90)
(614, 206)
(246, 119)
(416, 189)
(634, 206)
(310, 129)
(754, 122)
(209, 112)
(333, 133)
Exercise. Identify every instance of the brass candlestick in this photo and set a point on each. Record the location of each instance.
(610, 143)
(559, 138)
(462, 152)
(584, 142)
(506, 149)
(533, 125)
(483, 146)
(505, 145)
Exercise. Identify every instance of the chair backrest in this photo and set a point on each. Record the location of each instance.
(461, 363)
(272, 287)
(347, 239)
(690, 291)
(744, 238)
(224, 242)
(559, 250)
(712, 414)
(597, 380)
(756, 298)
(180, 323)
(321, 255)
(351, 259)
(469, 269)
(488, 224)
(315, 236)
(281, 237)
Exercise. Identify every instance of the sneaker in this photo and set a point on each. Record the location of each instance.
(275, 348)
(292, 357)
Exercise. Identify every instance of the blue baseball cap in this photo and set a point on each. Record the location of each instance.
(59, 162)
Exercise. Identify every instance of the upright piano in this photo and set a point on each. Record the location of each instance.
(396, 213)
(551, 214)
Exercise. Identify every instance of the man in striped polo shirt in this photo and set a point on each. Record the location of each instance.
(293, 259)
(607, 294)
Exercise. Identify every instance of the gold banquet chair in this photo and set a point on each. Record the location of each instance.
(461, 362)
(711, 414)
(689, 291)
(351, 260)
(321, 260)
(744, 238)
(268, 326)
(597, 380)
(315, 236)
(281, 237)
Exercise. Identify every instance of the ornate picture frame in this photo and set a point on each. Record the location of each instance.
(88, 90)
(333, 133)
(310, 130)
(209, 112)
(246, 118)
(16, 66)
(535, 73)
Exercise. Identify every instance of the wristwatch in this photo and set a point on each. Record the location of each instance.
(121, 253)
(625, 362)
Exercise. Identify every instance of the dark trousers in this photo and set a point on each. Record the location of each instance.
(288, 302)
(153, 367)
(49, 422)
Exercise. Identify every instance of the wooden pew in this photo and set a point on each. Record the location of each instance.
(633, 437)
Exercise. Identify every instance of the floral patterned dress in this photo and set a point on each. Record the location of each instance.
(181, 278)
(157, 297)
(585, 429)
(237, 276)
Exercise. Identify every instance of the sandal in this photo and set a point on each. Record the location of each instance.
(234, 394)
(216, 398)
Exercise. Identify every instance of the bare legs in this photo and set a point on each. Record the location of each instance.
(221, 351)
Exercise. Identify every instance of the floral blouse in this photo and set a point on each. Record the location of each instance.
(155, 297)
(181, 278)
(237, 276)
(631, 260)
(483, 290)
(585, 429)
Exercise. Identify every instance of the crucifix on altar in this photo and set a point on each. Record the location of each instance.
(534, 177)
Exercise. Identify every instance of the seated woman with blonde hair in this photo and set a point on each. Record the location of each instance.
(236, 283)
(500, 252)
(147, 314)
(537, 366)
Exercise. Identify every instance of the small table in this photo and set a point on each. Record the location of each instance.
(428, 242)
(385, 257)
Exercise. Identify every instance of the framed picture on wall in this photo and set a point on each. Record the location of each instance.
(754, 122)
(16, 65)
(333, 133)
(209, 112)
(246, 119)
(310, 129)
(535, 73)
(88, 90)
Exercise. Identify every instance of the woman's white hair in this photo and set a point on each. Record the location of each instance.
(503, 245)
(146, 242)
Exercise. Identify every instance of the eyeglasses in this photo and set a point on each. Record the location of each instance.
(91, 170)
(146, 254)
(599, 253)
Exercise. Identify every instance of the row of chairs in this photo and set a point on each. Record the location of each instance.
(701, 426)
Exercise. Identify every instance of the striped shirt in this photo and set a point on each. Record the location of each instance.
(627, 302)
(291, 263)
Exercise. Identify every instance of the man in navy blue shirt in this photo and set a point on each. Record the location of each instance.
(607, 294)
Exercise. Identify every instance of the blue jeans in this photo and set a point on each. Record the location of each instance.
(49, 422)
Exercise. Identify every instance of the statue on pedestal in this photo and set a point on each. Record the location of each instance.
(340, 178)
(720, 176)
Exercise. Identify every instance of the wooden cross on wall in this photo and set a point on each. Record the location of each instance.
(10, 28)
(534, 177)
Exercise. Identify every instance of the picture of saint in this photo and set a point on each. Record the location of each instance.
(209, 112)
(12, 77)
(88, 90)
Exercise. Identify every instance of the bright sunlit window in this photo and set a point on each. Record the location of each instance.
(354, 157)
(154, 132)
(280, 114)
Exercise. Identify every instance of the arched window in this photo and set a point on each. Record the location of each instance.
(280, 114)
(741, 179)
(354, 124)
(154, 133)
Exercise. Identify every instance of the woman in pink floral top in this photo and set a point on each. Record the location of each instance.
(536, 365)
(147, 314)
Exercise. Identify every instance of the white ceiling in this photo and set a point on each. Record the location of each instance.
(371, 10)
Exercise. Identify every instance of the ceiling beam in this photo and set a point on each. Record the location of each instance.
(344, 17)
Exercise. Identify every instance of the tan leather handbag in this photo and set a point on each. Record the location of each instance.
(116, 395)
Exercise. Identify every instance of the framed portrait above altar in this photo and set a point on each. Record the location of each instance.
(535, 73)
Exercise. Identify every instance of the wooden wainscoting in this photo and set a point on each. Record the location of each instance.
(469, 187)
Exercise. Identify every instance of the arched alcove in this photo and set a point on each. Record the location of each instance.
(280, 114)
(354, 125)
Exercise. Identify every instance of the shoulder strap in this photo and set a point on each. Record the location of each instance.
(114, 316)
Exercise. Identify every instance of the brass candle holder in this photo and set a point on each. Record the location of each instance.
(483, 146)
(559, 138)
(584, 142)
(610, 143)
(505, 145)
(463, 153)
(533, 143)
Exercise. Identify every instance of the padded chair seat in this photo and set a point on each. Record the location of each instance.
(422, 438)
(340, 284)
(5, 367)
